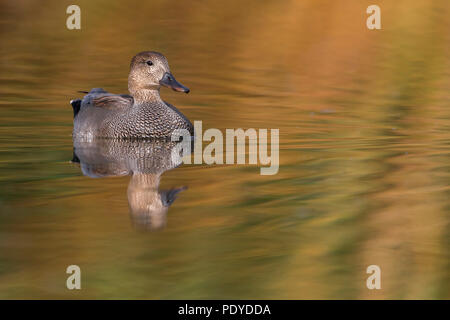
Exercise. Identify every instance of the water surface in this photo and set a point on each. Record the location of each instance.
(364, 125)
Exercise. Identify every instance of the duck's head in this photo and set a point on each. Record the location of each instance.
(149, 71)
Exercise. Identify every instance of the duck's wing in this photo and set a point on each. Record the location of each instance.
(113, 101)
(100, 98)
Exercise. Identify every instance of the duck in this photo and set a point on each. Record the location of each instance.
(141, 114)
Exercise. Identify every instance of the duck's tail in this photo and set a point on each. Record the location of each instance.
(76, 104)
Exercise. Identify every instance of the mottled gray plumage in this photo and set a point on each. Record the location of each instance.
(142, 114)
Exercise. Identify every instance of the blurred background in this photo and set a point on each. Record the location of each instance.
(364, 173)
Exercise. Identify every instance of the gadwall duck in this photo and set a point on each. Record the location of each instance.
(141, 114)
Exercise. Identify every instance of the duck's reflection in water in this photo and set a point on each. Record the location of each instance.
(145, 162)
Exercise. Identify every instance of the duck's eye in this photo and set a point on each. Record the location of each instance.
(149, 63)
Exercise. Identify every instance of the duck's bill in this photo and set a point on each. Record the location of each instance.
(169, 81)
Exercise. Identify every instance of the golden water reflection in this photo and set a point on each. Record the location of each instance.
(364, 123)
